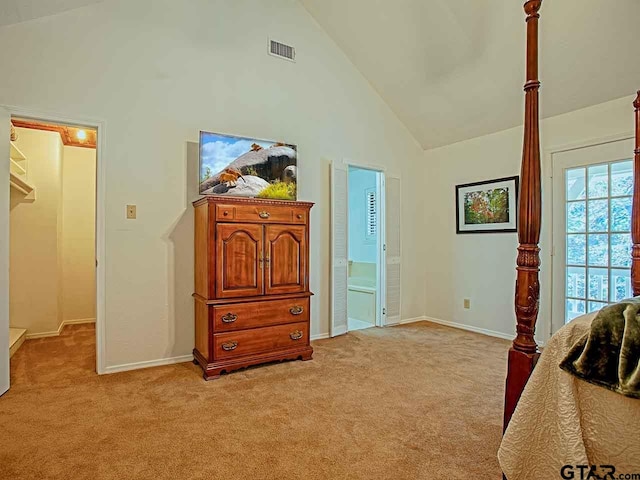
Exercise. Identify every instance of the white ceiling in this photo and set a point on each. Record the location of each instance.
(16, 11)
(453, 70)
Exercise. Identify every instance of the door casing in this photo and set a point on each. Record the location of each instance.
(100, 234)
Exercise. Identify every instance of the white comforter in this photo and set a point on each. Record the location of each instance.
(561, 420)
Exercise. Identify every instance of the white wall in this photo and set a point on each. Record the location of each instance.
(481, 267)
(35, 265)
(78, 234)
(157, 72)
(362, 248)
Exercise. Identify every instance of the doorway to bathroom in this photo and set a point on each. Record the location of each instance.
(366, 250)
(364, 308)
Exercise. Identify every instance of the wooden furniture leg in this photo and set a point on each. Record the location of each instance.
(524, 352)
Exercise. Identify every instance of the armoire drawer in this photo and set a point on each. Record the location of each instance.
(260, 340)
(260, 214)
(259, 314)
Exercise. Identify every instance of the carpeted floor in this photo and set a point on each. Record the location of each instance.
(418, 401)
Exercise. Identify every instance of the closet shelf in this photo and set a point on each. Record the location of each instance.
(17, 168)
(15, 153)
(18, 171)
(20, 184)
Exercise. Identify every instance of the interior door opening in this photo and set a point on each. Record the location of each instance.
(52, 243)
(388, 266)
(364, 306)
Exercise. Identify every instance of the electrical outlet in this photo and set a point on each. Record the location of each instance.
(131, 212)
(467, 303)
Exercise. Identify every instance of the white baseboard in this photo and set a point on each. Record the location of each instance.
(170, 361)
(470, 328)
(320, 336)
(405, 321)
(412, 320)
(340, 331)
(147, 364)
(56, 333)
(78, 321)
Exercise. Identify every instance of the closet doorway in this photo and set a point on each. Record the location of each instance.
(52, 284)
(365, 237)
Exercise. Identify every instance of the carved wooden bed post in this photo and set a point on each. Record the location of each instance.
(635, 214)
(524, 352)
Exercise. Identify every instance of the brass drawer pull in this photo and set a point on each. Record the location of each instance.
(297, 310)
(228, 346)
(297, 335)
(229, 318)
(264, 214)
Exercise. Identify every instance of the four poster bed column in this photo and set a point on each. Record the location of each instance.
(635, 213)
(552, 403)
(524, 352)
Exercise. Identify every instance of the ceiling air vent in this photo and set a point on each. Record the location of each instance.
(281, 50)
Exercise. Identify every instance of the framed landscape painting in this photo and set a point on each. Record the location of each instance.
(487, 207)
(247, 167)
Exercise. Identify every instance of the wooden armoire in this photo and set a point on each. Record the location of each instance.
(251, 282)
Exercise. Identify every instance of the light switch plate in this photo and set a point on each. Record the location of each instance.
(467, 303)
(131, 212)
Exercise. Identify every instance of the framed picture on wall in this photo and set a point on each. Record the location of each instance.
(487, 207)
(247, 167)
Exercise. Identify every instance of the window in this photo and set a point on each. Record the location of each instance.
(598, 236)
(372, 213)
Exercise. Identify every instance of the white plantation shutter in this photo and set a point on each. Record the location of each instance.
(372, 213)
(339, 247)
(393, 250)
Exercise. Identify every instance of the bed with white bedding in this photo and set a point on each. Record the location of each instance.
(562, 420)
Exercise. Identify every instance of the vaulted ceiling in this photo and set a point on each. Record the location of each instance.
(453, 70)
(15, 11)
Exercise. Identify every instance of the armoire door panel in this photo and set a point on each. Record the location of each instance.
(239, 267)
(285, 257)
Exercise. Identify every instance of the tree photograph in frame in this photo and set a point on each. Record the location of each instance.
(487, 207)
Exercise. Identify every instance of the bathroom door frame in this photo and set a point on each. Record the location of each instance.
(100, 206)
(381, 257)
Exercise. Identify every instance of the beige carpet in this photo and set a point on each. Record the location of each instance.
(418, 401)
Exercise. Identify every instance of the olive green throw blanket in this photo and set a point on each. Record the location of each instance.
(609, 354)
